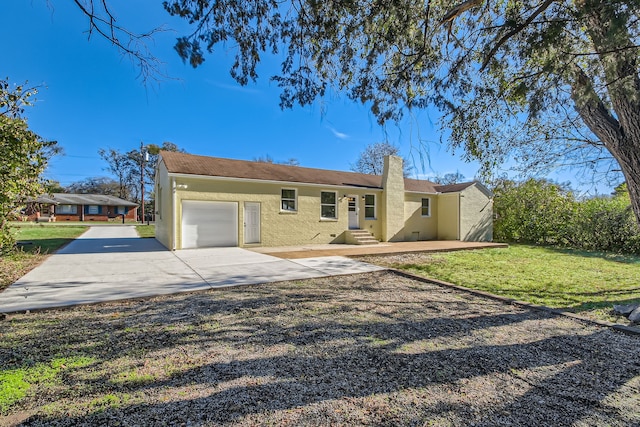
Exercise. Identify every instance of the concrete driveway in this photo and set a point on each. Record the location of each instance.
(113, 263)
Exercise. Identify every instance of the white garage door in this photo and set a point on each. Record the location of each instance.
(207, 224)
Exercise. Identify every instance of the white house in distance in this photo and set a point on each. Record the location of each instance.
(207, 201)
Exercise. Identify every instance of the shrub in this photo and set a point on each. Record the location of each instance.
(544, 213)
(606, 224)
(534, 211)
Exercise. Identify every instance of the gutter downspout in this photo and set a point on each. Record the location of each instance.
(175, 213)
(459, 214)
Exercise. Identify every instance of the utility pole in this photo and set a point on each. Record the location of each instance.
(143, 155)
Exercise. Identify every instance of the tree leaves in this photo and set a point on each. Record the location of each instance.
(23, 158)
(505, 75)
(125, 168)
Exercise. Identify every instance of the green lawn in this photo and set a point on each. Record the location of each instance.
(146, 230)
(587, 282)
(36, 242)
(46, 238)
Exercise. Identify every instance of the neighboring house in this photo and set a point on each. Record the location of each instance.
(79, 207)
(206, 201)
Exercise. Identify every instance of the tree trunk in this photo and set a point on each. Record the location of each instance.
(628, 157)
(619, 129)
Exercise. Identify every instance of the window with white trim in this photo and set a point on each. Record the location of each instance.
(120, 210)
(66, 209)
(288, 199)
(426, 207)
(93, 210)
(328, 205)
(369, 206)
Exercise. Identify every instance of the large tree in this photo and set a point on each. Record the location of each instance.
(547, 83)
(23, 157)
(126, 167)
(371, 159)
(151, 161)
(95, 185)
(123, 168)
(449, 178)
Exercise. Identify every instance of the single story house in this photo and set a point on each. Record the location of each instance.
(206, 201)
(79, 207)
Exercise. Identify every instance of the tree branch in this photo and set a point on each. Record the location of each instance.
(128, 43)
(544, 6)
(459, 10)
(592, 110)
(607, 52)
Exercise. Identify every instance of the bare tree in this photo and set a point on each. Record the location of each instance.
(371, 160)
(292, 161)
(123, 167)
(449, 178)
(95, 185)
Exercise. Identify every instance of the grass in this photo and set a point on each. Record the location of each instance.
(367, 349)
(16, 383)
(37, 241)
(46, 239)
(146, 230)
(580, 281)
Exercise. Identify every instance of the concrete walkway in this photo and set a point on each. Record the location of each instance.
(113, 263)
(386, 248)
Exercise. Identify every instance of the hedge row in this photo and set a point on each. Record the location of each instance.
(546, 213)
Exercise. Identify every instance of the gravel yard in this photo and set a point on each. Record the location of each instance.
(368, 349)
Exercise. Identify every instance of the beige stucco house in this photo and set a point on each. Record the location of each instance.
(207, 201)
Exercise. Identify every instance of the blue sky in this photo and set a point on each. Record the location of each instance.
(90, 97)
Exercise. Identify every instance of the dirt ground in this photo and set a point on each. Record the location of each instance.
(369, 349)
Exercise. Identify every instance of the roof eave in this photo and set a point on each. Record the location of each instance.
(268, 181)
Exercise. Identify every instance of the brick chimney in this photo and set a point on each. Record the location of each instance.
(393, 199)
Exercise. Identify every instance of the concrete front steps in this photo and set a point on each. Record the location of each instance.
(359, 237)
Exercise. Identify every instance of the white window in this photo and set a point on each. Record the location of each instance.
(370, 206)
(67, 209)
(426, 207)
(93, 209)
(328, 205)
(120, 210)
(288, 200)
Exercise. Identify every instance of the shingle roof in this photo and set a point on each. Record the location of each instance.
(190, 164)
(83, 199)
(420, 185)
(453, 188)
(215, 166)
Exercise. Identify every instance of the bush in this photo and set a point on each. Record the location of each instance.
(544, 213)
(606, 224)
(7, 239)
(533, 211)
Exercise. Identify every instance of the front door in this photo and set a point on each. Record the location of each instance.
(251, 222)
(353, 213)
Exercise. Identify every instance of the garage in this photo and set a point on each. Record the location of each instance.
(209, 224)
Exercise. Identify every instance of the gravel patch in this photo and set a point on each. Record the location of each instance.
(412, 258)
(368, 349)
